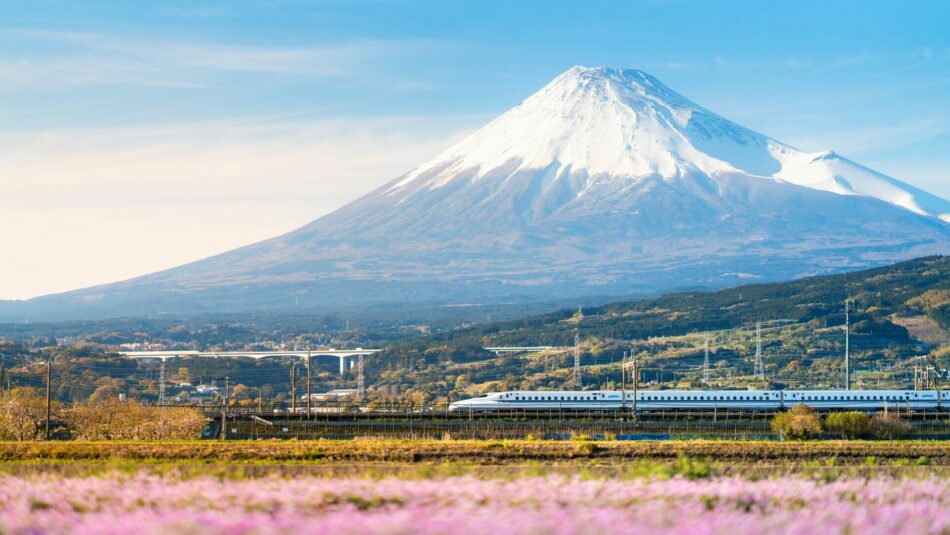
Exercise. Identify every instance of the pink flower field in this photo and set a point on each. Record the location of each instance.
(546, 505)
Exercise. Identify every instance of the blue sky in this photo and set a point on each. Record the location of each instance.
(125, 126)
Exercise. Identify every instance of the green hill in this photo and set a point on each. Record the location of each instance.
(898, 312)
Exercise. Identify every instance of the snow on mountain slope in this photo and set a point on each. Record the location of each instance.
(828, 171)
(626, 124)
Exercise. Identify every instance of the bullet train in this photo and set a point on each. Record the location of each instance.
(664, 400)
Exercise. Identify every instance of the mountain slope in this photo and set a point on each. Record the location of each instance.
(604, 182)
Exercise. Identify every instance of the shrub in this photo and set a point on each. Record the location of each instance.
(692, 468)
(799, 422)
(848, 424)
(890, 427)
(586, 449)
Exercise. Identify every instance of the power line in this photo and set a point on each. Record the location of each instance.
(49, 402)
(759, 368)
(847, 344)
(361, 383)
(706, 360)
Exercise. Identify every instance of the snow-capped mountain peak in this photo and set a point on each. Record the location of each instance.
(624, 124)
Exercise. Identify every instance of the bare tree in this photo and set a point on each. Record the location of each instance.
(23, 414)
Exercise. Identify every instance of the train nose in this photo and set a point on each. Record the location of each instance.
(457, 406)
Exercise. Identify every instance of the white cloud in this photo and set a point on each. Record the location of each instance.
(861, 58)
(90, 206)
(79, 58)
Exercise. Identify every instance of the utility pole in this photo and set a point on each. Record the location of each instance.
(847, 343)
(293, 388)
(917, 380)
(309, 378)
(577, 360)
(361, 381)
(161, 384)
(623, 383)
(706, 361)
(3, 372)
(636, 385)
(49, 396)
(224, 408)
(633, 362)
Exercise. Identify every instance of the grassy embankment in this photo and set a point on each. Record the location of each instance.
(418, 458)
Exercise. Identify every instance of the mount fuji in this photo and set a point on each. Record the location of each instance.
(604, 182)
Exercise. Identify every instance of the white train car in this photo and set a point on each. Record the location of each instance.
(541, 401)
(659, 400)
(662, 400)
(868, 399)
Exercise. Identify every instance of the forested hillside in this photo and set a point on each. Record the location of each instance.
(897, 312)
(877, 294)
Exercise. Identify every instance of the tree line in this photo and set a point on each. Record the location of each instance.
(25, 415)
